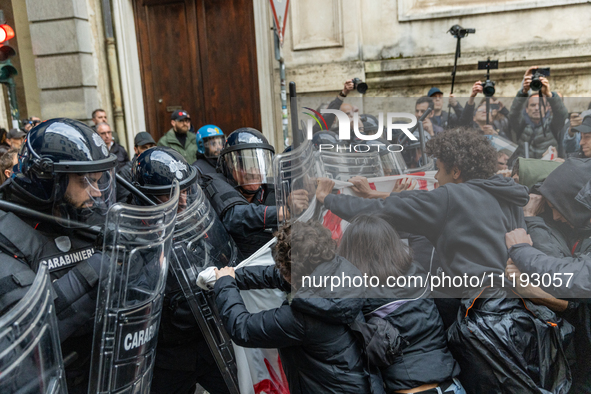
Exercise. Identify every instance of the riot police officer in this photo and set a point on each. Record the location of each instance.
(64, 171)
(210, 141)
(183, 357)
(243, 194)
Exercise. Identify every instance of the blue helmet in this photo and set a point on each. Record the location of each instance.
(203, 134)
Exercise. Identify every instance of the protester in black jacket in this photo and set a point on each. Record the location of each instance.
(465, 219)
(469, 201)
(561, 255)
(318, 351)
(425, 362)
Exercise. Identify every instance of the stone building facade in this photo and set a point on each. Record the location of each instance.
(399, 47)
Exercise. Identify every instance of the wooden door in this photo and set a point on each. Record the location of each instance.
(198, 55)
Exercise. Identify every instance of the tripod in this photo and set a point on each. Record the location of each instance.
(458, 32)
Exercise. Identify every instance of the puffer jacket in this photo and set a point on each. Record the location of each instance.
(562, 249)
(318, 351)
(425, 357)
(525, 130)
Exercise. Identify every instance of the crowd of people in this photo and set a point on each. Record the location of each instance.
(508, 213)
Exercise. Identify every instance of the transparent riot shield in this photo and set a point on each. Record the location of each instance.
(30, 353)
(343, 166)
(136, 250)
(295, 181)
(200, 242)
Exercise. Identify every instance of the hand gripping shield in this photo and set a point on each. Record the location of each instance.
(136, 250)
(295, 181)
(200, 242)
(30, 353)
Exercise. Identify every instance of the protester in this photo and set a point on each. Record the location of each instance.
(560, 230)
(319, 353)
(210, 141)
(465, 219)
(15, 138)
(425, 363)
(7, 161)
(502, 159)
(442, 118)
(532, 122)
(104, 130)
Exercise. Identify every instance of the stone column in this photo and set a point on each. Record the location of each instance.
(65, 58)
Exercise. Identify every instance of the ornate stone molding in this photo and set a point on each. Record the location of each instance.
(411, 10)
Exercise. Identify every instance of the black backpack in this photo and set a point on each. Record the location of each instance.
(381, 341)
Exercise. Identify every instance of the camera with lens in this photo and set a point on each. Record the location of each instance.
(460, 32)
(359, 85)
(536, 85)
(488, 86)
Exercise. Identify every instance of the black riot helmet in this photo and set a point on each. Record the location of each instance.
(370, 124)
(154, 171)
(328, 139)
(65, 169)
(247, 160)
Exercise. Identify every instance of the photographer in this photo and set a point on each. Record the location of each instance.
(475, 118)
(337, 103)
(577, 140)
(443, 118)
(540, 129)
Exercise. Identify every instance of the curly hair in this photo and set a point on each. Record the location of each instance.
(312, 245)
(470, 152)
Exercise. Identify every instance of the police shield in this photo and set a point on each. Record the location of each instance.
(136, 250)
(343, 166)
(30, 353)
(295, 175)
(200, 242)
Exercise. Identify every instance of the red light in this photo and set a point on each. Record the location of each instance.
(6, 33)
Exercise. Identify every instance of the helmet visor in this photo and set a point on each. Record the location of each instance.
(186, 198)
(200, 238)
(213, 145)
(84, 197)
(250, 167)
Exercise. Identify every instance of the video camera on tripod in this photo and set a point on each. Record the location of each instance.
(459, 32)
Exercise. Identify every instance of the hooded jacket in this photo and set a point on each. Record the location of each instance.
(562, 255)
(558, 248)
(532, 171)
(466, 222)
(318, 351)
(562, 186)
